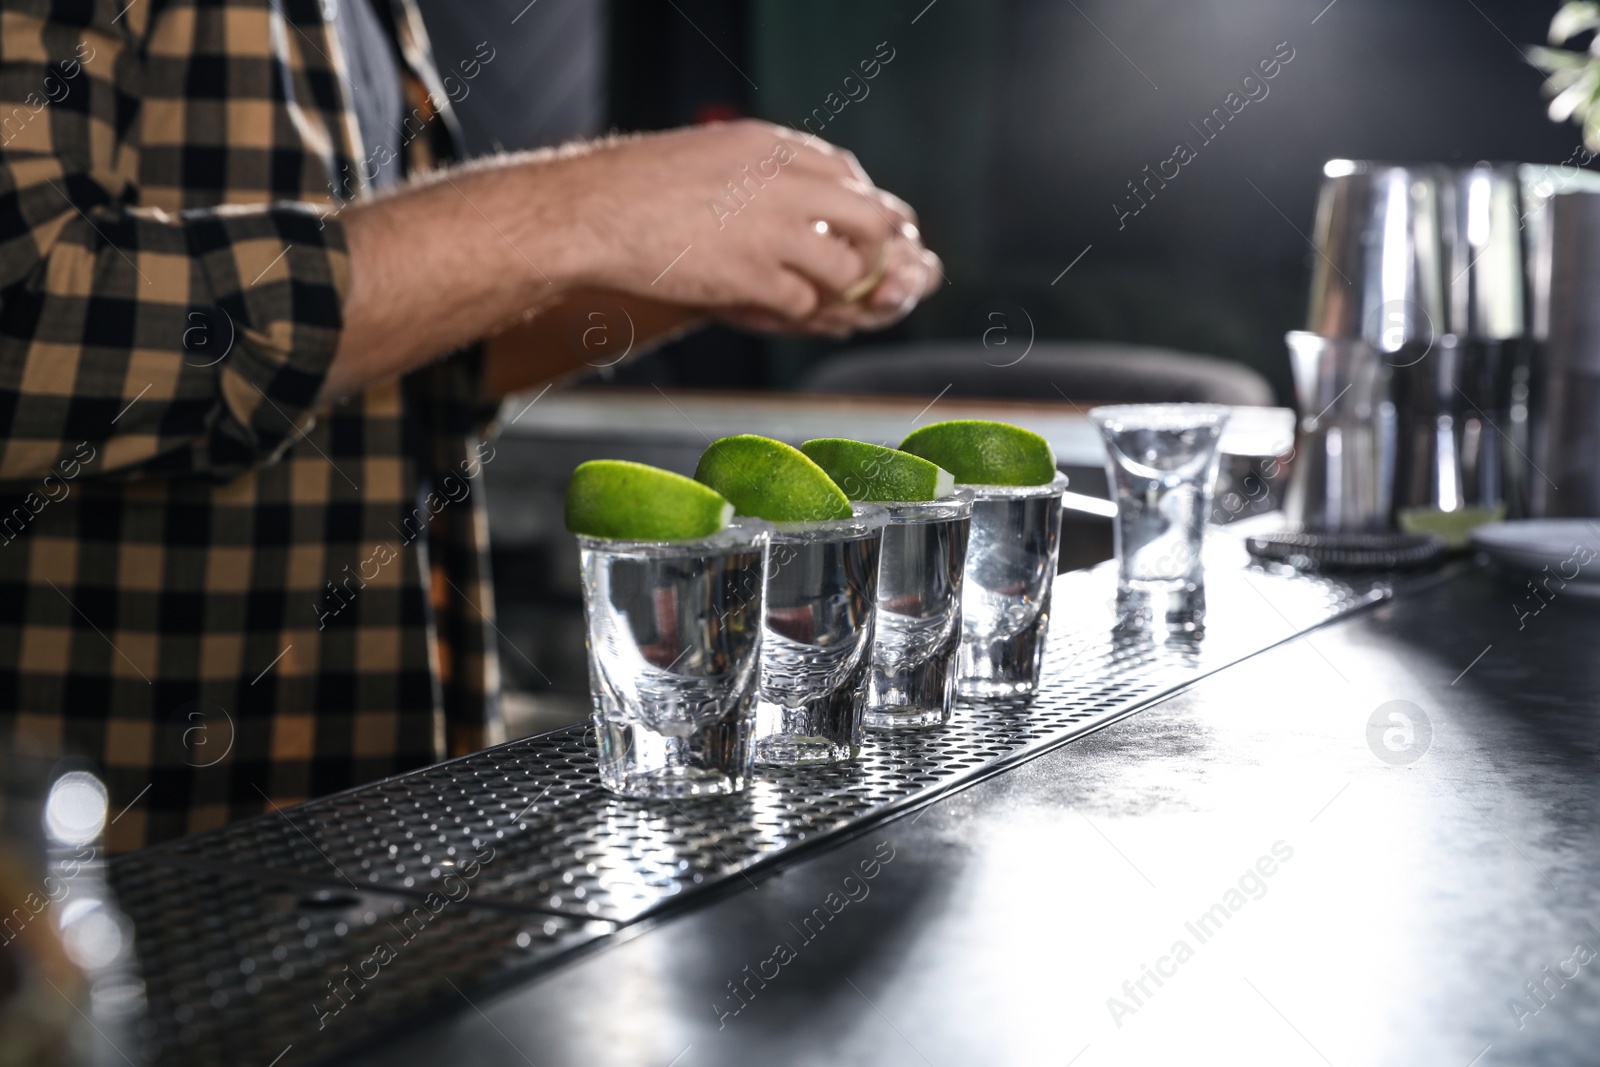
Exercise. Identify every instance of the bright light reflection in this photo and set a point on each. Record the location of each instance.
(1449, 491)
(1396, 266)
(1478, 190)
(75, 812)
(76, 908)
(94, 941)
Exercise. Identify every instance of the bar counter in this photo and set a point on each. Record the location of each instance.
(1355, 824)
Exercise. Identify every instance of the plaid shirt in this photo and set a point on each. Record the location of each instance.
(217, 592)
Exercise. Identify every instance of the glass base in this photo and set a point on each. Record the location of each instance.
(635, 761)
(915, 696)
(790, 750)
(672, 783)
(825, 729)
(906, 717)
(997, 689)
(1152, 607)
(1004, 669)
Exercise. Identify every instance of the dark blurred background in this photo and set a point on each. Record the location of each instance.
(1013, 126)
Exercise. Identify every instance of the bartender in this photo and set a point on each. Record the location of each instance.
(253, 329)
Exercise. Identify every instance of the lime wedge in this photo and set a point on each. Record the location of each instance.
(978, 452)
(634, 502)
(1454, 526)
(771, 480)
(872, 472)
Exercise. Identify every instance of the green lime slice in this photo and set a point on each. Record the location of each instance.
(635, 502)
(978, 452)
(1454, 526)
(771, 480)
(872, 472)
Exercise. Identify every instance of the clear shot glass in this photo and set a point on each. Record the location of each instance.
(674, 638)
(1005, 598)
(1161, 460)
(816, 642)
(918, 630)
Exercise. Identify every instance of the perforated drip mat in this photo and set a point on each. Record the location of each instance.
(238, 967)
(240, 930)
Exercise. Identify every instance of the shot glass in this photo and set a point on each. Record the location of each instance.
(816, 642)
(918, 629)
(1162, 461)
(1005, 598)
(674, 637)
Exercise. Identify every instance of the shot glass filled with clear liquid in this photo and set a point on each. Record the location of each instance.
(674, 634)
(816, 644)
(918, 629)
(1161, 460)
(1005, 598)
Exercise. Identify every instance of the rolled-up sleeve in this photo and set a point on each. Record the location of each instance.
(191, 343)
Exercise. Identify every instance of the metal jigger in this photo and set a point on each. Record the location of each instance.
(1343, 467)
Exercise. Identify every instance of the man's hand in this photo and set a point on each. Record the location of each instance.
(910, 274)
(743, 215)
(747, 221)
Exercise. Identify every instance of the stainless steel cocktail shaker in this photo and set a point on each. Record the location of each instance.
(1419, 295)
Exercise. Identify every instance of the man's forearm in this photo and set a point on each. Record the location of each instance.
(439, 265)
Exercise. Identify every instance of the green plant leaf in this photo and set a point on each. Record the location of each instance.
(1591, 125)
(1573, 19)
(1556, 60)
(1575, 100)
(1573, 81)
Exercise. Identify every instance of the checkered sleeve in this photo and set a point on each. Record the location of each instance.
(155, 343)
